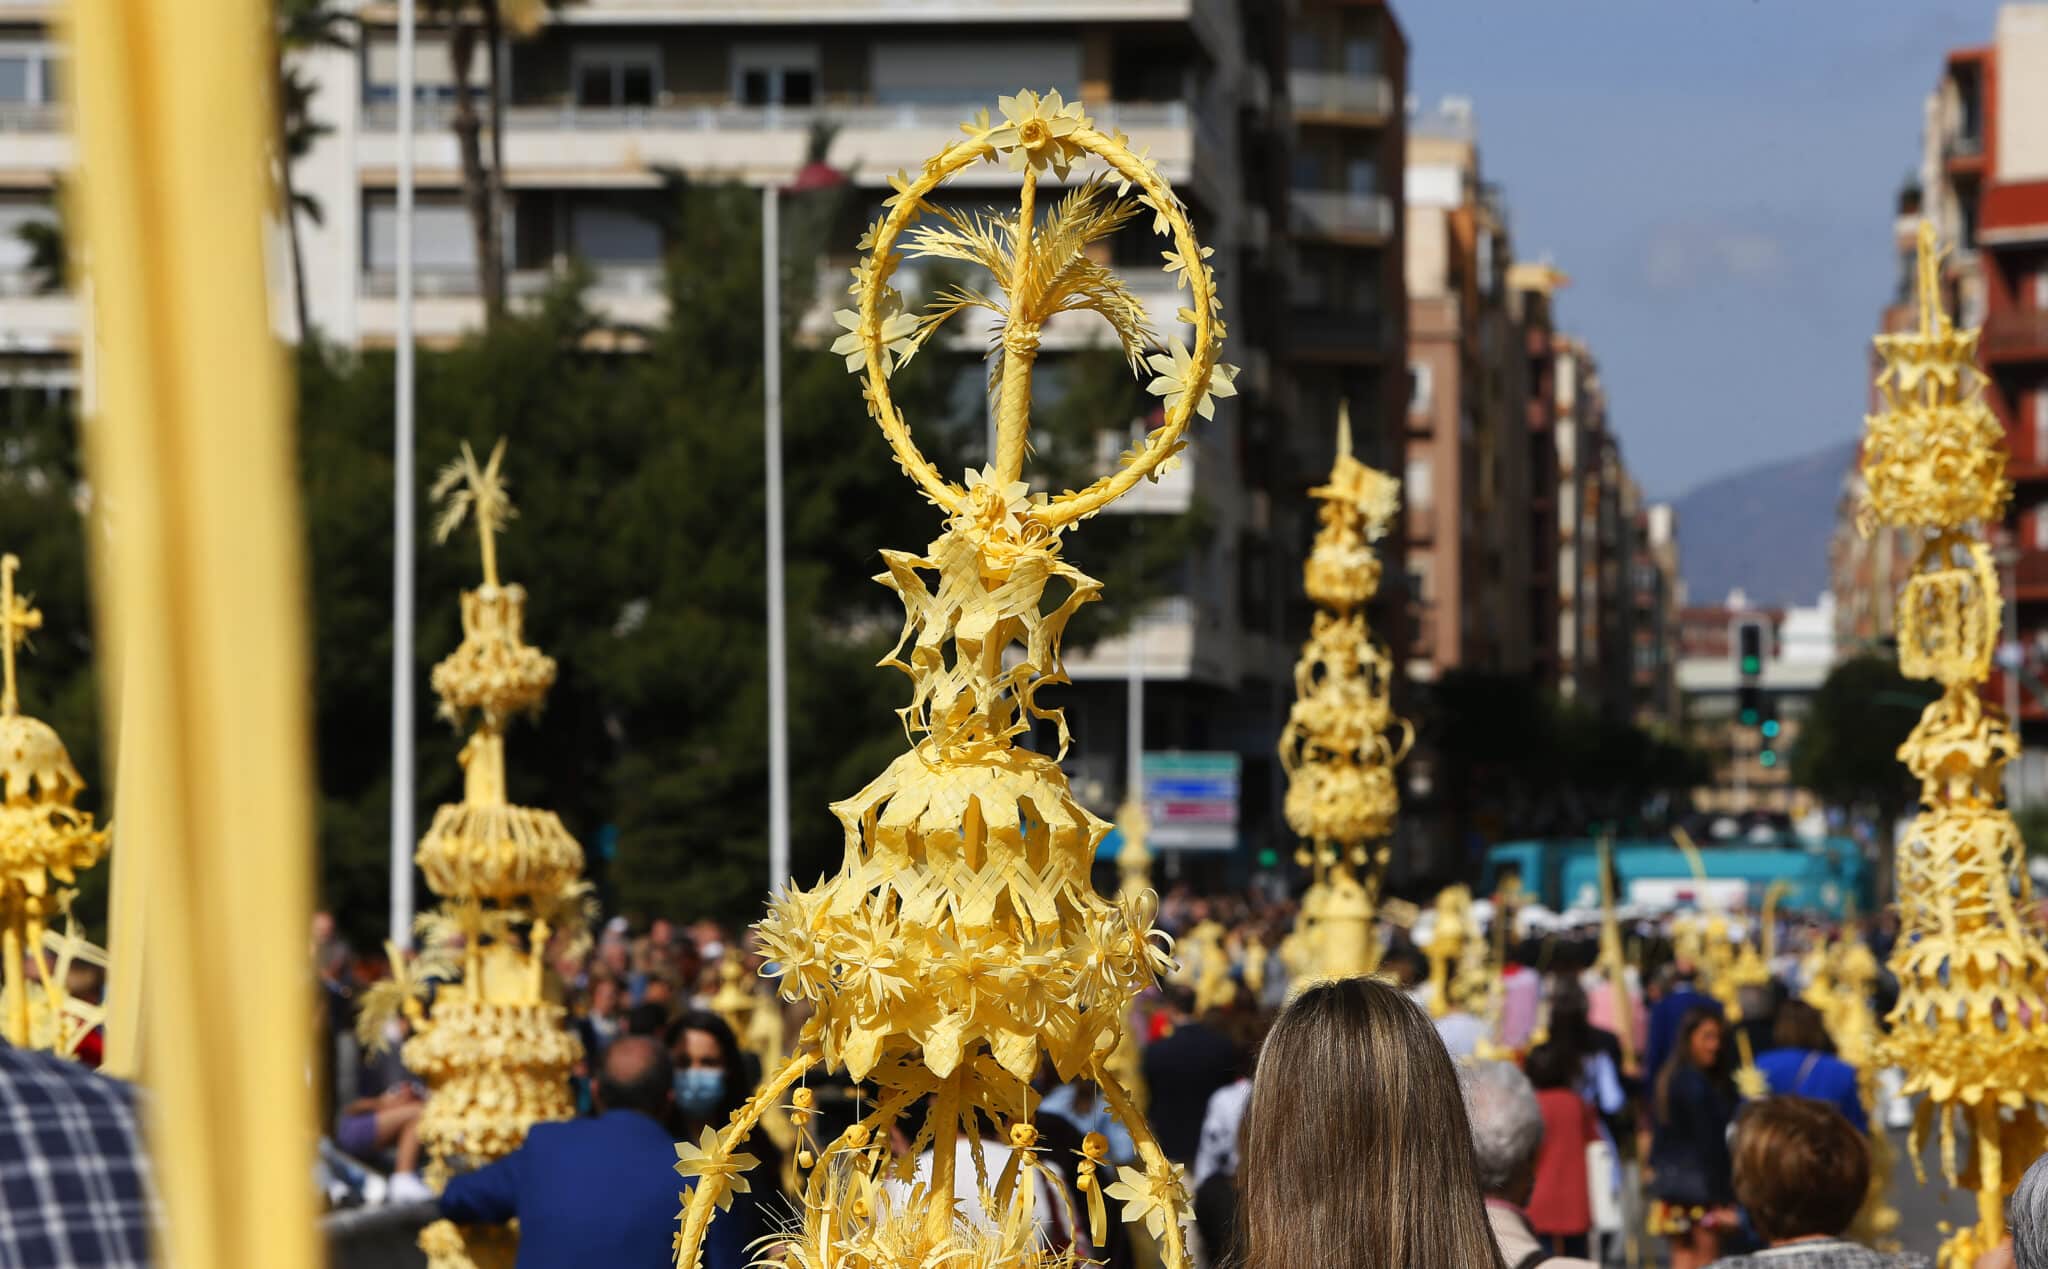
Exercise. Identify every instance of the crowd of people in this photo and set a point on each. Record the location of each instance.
(1311, 1122)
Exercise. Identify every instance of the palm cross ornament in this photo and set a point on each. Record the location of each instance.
(961, 944)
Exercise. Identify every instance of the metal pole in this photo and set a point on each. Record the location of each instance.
(771, 440)
(1134, 718)
(402, 535)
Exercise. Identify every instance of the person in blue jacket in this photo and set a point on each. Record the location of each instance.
(596, 1191)
(1802, 1063)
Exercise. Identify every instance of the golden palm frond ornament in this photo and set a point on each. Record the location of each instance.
(1972, 970)
(493, 1050)
(961, 943)
(44, 841)
(1342, 739)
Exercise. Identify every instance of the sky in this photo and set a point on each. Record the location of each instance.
(1717, 178)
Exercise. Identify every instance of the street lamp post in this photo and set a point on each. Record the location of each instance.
(402, 514)
(815, 175)
(771, 441)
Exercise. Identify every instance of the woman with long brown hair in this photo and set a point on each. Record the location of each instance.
(1357, 1154)
(1693, 1195)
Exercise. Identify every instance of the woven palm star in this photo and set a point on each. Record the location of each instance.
(709, 1161)
(1156, 1200)
(1174, 368)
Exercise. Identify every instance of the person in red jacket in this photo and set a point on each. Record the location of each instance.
(1561, 1207)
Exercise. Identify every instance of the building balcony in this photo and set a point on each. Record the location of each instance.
(1176, 640)
(1336, 97)
(578, 146)
(1329, 335)
(36, 323)
(1340, 216)
(2016, 335)
(33, 140)
(446, 305)
(1963, 150)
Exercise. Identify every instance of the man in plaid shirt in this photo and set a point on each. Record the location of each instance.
(75, 1189)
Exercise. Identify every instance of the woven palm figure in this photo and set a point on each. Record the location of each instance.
(45, 841)
(1342, 739)
(961, 944)
(492, 1048)
(1972, 971)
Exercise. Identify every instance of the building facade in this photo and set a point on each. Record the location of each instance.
(1467, 473)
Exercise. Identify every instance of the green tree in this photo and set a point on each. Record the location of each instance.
(1847, 753)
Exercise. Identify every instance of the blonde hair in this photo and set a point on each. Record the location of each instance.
(1357, 1152)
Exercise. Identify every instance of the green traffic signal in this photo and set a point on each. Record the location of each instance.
(1749, 717)
(1768, 757)
(1269, 859)
(1771, 729)
(1752, 665)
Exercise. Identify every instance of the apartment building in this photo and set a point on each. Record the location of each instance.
(1657, 593)
(1984, 178)
(1532, 294)
(1468, 462)
(39, 320)
(1278, 122)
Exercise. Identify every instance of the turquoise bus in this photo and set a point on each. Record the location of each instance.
(1821, 875)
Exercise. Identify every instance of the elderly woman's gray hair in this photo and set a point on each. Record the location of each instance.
(1507, 1124)
(2029, 1218)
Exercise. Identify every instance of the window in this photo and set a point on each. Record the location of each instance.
(610, 235)
(1361, 55)
(2040, 402)
(2039, 515)
(433, 71)
(1420, 386)
(1415, 489)
(443, 243)
(776, 75)
(613, 77)
(1362, 176)
(27, 74)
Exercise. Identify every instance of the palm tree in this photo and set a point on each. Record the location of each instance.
(302, 26)
(483, 183)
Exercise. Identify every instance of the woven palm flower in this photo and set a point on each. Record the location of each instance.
(1037, 132)
(961, 947)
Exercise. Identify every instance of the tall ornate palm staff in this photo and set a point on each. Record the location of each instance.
(1336, 748)
(44, 839)
(1972, 971)
(961, 942)
(493, 1050)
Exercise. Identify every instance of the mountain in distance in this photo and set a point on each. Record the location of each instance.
(1764, 529)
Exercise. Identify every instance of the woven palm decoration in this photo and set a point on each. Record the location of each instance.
(45, 840)
(492, 1049)
(1972, 971)
(961, 944)
(1342, 739)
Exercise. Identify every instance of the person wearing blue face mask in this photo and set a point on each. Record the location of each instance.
(711, 1081)
(596, 1191)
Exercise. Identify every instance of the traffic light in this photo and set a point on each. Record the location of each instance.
(1769, 727)
(1749, 705)
(1750, 648)
(1269, 858)
(1767, 758)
